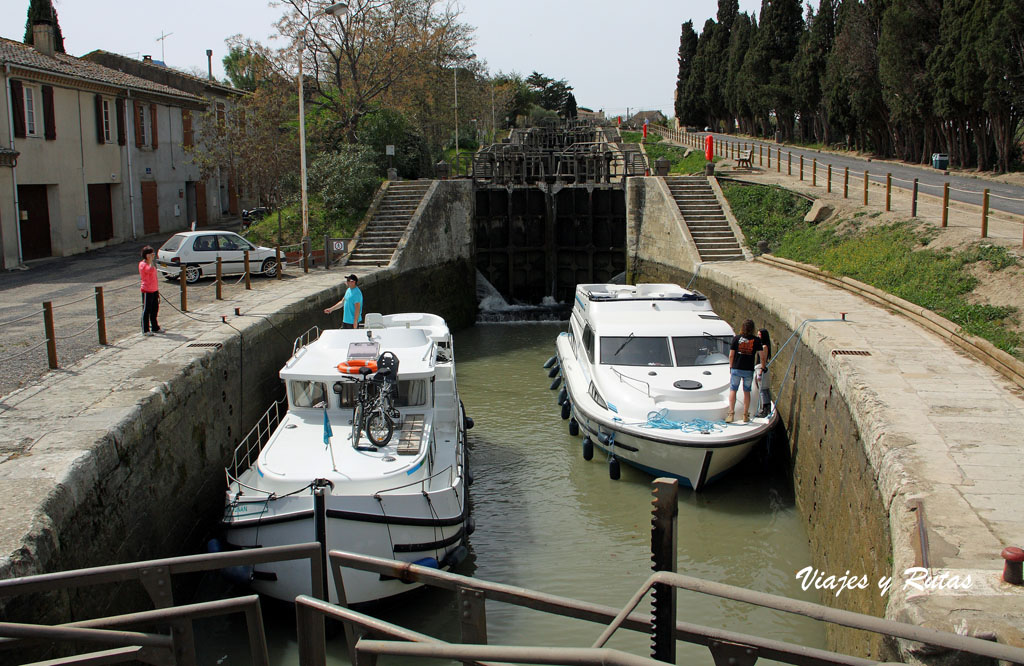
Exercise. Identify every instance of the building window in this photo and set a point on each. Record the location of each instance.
(145, 126)
(30, 111)
(106, 120)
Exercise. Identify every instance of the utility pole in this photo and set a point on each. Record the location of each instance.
(455, 74)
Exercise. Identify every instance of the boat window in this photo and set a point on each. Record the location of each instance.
(703, 350)
(308, 394)
(588, 342)
(635, 350)
(597, 396)
(412, 393)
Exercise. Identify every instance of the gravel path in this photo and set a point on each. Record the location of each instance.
(69, 283)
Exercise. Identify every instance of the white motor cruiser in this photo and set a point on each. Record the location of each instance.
(374, 417)
(646, 375)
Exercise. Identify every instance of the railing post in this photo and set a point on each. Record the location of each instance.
(220, 282)
(473, 615)
(846, 182)
(801, 166)
(828, 180)
(51, 339)
(945, 204)
(913, 201)
(984, 214)
(311, 637)
(327, 252)
(305, 255)
(663, 558)
(101, 318)
(888, 192)
(760, 155)
(865, 187)
(248, 275)
(769, 157)
(277, 255)
(814, 172)
(789, 162)
(778, 160)
(184, 289)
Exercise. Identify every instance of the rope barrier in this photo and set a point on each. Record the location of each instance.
(28, 316)
(113, 289)
(90, 327)
(137, 307)
(84, 298)
(22, 353)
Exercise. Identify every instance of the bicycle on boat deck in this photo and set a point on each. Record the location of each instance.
(375, 412)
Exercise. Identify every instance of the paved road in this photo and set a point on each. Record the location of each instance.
(69, 283)
(1002, 196)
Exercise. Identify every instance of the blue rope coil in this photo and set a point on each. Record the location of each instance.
(658, 420)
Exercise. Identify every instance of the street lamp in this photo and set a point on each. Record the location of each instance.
(337, 10)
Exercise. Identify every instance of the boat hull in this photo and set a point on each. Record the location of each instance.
(404, 527)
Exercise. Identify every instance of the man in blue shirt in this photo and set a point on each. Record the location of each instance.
(352, 304)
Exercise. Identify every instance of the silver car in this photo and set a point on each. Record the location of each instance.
(196, 253)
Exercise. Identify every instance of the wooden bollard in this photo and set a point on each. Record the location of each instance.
(801, 167)
(327, 252)
(769, 157)
(51, 339)
(846, 182)
(913, 200)
(814, 172)
(760, 155)
(220, 282)
(101, 317)
(865, 187)
(305, 255)
(778, 160)
(984, 214)
(277, 255)
(888, 192)
(248, 275)
(789, 163)
(945, 204)
(828, 180)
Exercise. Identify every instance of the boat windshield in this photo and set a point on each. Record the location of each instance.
(634, 350)
(308, 393)
(702, 350)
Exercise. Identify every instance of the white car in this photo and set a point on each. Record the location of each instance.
(196, 253)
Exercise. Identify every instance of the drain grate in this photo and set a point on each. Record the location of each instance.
(215, 345)
(850, 352)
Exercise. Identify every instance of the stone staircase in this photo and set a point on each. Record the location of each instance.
(704, 217)
(377, 244)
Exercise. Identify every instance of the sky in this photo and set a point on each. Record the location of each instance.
(615, 55)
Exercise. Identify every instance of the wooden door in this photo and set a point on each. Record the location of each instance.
(35, 225)
(101, 215)
(201, 204)
(150, 208)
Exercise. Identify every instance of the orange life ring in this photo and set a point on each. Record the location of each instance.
(352, 367)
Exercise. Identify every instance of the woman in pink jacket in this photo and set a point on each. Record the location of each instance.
(150, 291)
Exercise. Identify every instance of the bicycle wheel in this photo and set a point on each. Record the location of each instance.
(357, 423)
(379, 428)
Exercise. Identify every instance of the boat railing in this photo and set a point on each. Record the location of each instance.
(626, 379)
(312, 335)
(249, 449)
(450, 471)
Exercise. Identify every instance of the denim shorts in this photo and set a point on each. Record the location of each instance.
(734, 379)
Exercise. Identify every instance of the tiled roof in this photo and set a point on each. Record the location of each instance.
(17, 53)
(156, 70)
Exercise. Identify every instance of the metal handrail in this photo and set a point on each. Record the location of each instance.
(255, 440)
(306, 338)
(623, 377)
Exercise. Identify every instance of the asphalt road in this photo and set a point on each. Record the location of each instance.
(1002, 196)
(69, 283)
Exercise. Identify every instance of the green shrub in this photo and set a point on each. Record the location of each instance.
(765, 213)
(345, 181)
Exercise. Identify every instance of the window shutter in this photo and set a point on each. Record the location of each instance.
(99, 119)
(152, 125)
(49, 123)
(137, 115)
(18, 106)
(186, 128)
(122, 138)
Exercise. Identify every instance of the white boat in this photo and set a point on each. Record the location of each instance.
(404, 500)
(646, 376)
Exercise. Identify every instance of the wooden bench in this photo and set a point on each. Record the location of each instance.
(744, 159)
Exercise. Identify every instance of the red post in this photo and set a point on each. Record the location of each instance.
(709, 147)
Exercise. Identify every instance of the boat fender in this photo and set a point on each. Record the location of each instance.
(241, 574)
(469, 478)
(550, 362)
(588, 449)
(470, 525)
(613, 468)
(563, 395)
(574, 427)
(566, 410)
(555, 369)
(603, 438)
(454, 557)
(555, 384)
(354, 367)
(467, 422)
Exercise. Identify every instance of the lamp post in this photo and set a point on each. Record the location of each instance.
(337, 10)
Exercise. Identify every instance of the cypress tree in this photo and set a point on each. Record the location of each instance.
(687, 51)
(43, 11)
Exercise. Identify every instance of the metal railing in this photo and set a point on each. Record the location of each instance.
(176, 645)
(248, 450)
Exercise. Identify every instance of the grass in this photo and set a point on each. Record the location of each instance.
(265, 232)
(894, 258)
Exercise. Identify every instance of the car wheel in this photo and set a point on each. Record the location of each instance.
(269, 268)
(192, 274)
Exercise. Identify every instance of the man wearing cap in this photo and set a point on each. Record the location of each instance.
(352, 304)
